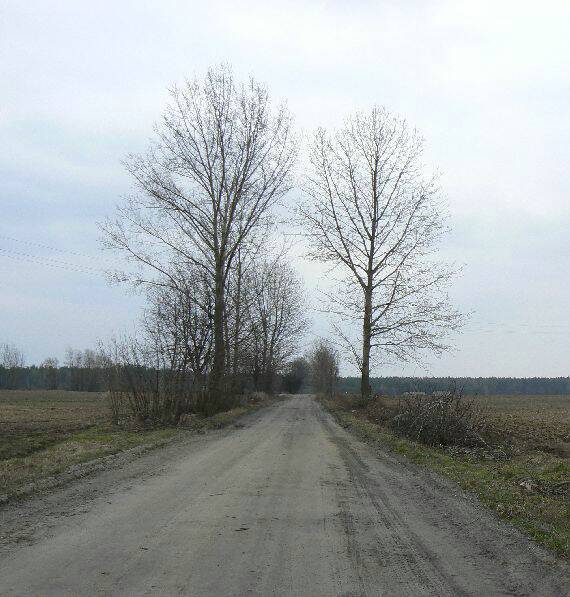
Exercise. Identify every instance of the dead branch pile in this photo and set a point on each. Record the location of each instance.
(446, 420)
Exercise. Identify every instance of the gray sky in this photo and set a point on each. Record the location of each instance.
(487, 82)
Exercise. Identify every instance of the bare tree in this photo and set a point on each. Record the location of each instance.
(11, 357)
(12, 361)
(323, 362)
(237, 305)
(146, 382)
(222, 158)
(277, 319)
(85, 369)
(50, 368)
(372, 213)
(179, 319)
(240, 295)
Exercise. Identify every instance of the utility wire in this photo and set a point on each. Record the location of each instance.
(43, 246)
(50, 262)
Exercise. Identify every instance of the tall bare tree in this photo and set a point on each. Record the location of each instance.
(221, 159)
(373, 213)
(240, 297)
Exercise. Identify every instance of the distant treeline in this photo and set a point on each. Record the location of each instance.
(94, 379)
(84, 379)
(486, 386)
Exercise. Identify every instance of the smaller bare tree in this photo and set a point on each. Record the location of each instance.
(324, 361)
(145, 382)
(12, 362)
(179, 317)
(11, 357)
(277, 319)
(373, 214)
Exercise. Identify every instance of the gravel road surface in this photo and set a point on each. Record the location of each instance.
(286, 503)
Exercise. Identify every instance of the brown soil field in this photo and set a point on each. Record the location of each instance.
(535, 422)
(31, 420)
(42, 433)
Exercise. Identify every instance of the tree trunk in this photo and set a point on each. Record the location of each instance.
(235, 348)
(216, 389)
(365, 389)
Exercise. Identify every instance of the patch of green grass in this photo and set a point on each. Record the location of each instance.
(33, 420)
(220, 420)
(14, 445)
(543, 514)
(45, 433)
(75, 448)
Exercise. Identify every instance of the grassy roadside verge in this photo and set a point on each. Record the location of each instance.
(75, 448)
(541, 511)
(223, 419)
(43, 436)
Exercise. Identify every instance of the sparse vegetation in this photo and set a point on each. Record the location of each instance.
(523, 473)
(446, 419)
(43, 433)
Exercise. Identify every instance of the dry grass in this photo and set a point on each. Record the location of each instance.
(522, 422)
(44, 432)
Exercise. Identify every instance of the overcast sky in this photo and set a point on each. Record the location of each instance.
(487, 82)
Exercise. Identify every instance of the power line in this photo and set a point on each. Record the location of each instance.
(49, 262)
(44, 246)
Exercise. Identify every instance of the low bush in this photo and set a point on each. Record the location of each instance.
(352, 402)
(447, 419)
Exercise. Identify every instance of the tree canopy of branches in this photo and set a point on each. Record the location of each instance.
(11, 357)
(178, 323)
(222, 158)
(277, 319)
(323, 361)
(296, 375)
(11, 361)
(371, 213)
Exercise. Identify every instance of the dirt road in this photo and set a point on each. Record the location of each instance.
(288, 504)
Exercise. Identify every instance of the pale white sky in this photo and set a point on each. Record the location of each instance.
(487, 82)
